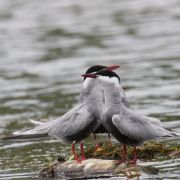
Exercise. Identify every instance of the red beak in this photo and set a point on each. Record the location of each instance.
(112, 67)
(89, 75)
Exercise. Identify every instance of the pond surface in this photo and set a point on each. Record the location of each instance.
(47, 45)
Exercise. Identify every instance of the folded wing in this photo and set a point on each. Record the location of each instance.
(139, 127)
(73, 122)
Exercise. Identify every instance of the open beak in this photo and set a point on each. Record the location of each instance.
(89, 75)
(112, 67)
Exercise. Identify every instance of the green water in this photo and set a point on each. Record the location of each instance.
(47, 45)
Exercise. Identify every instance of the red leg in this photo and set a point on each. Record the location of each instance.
(134, 154)
(109, 139)
(123, 154)
(97, 144)
(74, 153)
(134, 160)
(82, 151)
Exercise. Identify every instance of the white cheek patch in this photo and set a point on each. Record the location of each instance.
(107, 79)
(86, 82)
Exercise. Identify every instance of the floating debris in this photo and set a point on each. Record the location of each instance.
(97, 168)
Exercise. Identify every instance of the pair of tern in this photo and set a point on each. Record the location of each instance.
(102, 107)
(79, 122)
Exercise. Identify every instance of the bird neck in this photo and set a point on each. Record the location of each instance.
(86, 90)
(112, 95)
(91, 94)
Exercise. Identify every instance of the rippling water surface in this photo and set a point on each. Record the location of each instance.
(47, 45)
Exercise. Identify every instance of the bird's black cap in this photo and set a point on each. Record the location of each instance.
(94, 68)
(108, 73)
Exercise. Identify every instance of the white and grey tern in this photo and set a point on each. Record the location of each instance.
(125, 124)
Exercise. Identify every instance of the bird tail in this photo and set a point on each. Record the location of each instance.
(41, 130)
(24, 136)
(36, 123)
(31, 133)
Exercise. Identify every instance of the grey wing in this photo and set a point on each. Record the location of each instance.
(138, 127)
(72, 122)
(154, 121)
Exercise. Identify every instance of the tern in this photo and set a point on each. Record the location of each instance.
(79, 122)
(93, 69)
(125, 124)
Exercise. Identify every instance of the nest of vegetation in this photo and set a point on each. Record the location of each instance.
(148, 151)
